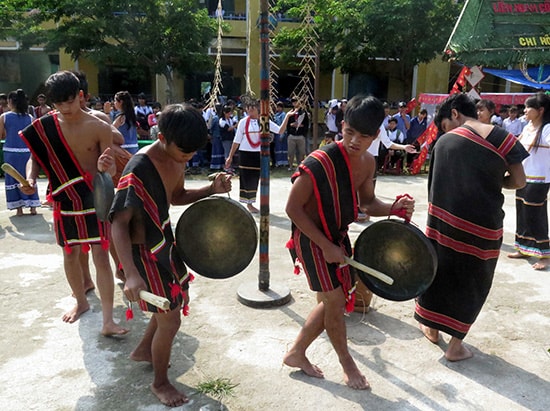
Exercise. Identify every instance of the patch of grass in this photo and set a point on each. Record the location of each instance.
(219, 388)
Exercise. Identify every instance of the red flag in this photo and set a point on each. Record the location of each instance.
(410, 106)
(425, 140)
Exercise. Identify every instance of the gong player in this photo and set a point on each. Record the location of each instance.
(470, 165)
(141, 230)
(328, 188)
(72, 146)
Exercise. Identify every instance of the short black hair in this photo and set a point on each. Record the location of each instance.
(488, 104)
(183, 125)
(62, 86)
(460, 102)
(83, 81)
(365, 114)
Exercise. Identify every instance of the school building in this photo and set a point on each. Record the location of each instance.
(240, 60)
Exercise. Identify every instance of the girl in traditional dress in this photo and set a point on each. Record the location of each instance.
(531, 201)
(126, 121)
(16, 151)
(247, 141)
(217, 158)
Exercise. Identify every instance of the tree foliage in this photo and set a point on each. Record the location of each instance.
(352, 33)
(164, 36)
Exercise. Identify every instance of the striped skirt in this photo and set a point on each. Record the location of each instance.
(532, 220)
(249, 175)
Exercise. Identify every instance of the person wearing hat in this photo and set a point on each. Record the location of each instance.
(403, 119)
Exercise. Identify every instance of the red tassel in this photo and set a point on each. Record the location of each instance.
(185, 310)
(153, 257)
(175, 290)
(105, 244)
(129, 314)
(191, 277)
(85, 248)
(120, 267)
(49, 198)
(68, 249)
(296, 267)
(290, 244)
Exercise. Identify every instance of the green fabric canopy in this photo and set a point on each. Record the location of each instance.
(501, 33)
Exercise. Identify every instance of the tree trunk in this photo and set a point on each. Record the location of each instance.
(169, 76)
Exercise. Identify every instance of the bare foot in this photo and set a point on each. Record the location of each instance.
(353, 377)
(169, 395)
(73, 315)
(457, 351)
(430, 333)
(141, 356)
(542, 264)
(112, 329)
(517, 255)
(459, 355)
(301, 362)
(19, 212)
(33, 210)
(252, 209)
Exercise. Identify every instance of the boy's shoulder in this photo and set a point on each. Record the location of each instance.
(95, 123)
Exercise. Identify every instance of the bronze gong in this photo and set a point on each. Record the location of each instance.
(104, 192)
(216, 237)
(401, 251)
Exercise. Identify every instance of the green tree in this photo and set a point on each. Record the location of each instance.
(163, 36)
(353, 33)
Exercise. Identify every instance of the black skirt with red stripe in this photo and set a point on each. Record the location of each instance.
(465, 220)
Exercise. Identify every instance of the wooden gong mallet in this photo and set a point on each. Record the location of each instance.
(9, 169)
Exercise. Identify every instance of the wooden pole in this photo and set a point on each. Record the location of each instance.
(265, 155)
(264, 294)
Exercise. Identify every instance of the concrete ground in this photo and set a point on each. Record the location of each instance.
(46, 364)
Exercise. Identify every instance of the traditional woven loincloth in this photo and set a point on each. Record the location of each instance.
(74, 214)
(333, 188)
(165, 274)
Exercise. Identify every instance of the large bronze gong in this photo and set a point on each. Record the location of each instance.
(104, 193)
(401, 251)
(217, 237)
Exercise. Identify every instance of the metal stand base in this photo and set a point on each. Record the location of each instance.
(249, 294)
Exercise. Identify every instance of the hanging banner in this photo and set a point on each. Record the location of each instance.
(501, 33)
